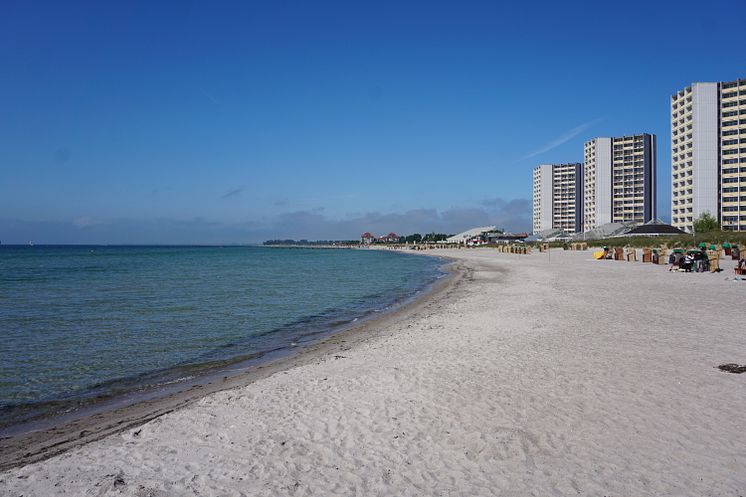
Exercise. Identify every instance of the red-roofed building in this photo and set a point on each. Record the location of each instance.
(367, 238)
(390, 238)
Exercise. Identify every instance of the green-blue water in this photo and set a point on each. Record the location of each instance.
(80, 322)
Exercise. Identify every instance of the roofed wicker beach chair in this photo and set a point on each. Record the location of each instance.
(663, 255)
(647, 255)
(631, 254)
(740, 268)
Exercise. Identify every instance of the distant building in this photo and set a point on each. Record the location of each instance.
(708, 156)
(558, 197)
(367, 238)
(619, 176)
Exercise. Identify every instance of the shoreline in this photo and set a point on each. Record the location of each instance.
(530, 375)
(175, 379)
(41, 438)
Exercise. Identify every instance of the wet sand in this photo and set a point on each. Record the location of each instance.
(520, 376)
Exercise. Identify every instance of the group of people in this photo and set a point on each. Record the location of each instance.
(700, 261)
(693, 260)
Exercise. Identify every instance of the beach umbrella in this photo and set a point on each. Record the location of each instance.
(702, 245)
(726, 245)
(712, 247)
(678, 251)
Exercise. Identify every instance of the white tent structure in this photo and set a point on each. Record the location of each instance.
(607, 230)
(468, 234)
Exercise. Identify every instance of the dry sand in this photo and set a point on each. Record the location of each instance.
(527, 377)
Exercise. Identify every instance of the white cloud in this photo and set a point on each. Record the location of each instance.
(565, 137)
(84, 221)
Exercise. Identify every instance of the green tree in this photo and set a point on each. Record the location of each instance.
(434, 237)
(706, 222)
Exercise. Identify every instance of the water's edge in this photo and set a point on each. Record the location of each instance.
(191, 381)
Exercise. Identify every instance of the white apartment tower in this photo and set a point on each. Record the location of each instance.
(542, 198)
(596, 182)
(633, 179)
(694, 154)
(619, 180)
(708, 154)
(733, 155)
(558, 197)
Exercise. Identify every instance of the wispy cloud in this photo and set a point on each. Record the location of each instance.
(84, 222)
(233, 193)
(210, 97)
(565, 137)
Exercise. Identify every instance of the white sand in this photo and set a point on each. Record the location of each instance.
(571, 378)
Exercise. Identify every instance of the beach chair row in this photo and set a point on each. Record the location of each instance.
(709, 255)
(514, 249)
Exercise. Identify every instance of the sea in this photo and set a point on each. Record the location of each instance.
(84, 323)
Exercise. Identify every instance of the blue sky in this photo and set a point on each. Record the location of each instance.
(197, 122)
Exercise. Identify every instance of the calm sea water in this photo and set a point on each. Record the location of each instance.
(83, 322)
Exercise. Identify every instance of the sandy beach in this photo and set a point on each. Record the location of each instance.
(521, 376)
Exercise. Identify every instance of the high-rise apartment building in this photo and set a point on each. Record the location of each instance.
(558, 197)
(633, 179)
(733, 155)
(708, 154)
(694, 154)
(619, 180)
(542, 198)
(596, 182)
